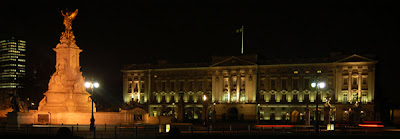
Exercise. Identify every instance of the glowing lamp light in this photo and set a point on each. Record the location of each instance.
(167, 128)
(96, 85)
(320, 85)
(90, 85)
(204, 97)
(313, 85)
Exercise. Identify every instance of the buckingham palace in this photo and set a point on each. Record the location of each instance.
(248, 88)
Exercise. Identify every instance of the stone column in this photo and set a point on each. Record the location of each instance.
(359, 85)
(349, 83)
(125, 87)
(371, 83)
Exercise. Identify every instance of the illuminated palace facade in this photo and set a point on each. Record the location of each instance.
(245, 88)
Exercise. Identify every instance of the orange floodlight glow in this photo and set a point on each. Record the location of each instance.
(274, 125)
(370, 125)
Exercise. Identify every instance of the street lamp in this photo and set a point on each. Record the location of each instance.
(318, 85)
(92, 86)
(205, 110)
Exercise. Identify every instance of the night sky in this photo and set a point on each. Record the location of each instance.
(115, 33)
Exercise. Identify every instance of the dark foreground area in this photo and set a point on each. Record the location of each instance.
(278, 136)
(193, 132)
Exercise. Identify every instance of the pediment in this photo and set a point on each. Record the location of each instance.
(233, 61)
(354, 58)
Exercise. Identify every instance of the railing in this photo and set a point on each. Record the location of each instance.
(144, 131)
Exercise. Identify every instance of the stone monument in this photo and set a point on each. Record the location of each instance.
(66, 91)
(66, 101)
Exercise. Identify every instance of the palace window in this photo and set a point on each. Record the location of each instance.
(242, 98)
(273, 84)
(130, 87)
(306, 97)
(284, 84)
(233, 97)
(295, 99)
(135, 89)
(163, 86)
(364, 98)
(272, 98)
(172, 86)
(191, 98)
(181, 86)
(364, 84)
(307, 84)
(354, 83)
(295, 84)
(345, 83)
(234, 83)
(191, 86)
(262, 84)
(364, 81)
(345, 98)
(200, 86)
(226, 97)
(283, 98)
(243, 83)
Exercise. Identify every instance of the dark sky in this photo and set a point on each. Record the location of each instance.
(112, 33)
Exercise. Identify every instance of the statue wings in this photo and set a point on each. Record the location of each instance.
(70, 15)
(73, 15)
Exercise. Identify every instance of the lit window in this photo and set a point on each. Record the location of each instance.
(233, 97)
(242, 98)
(226, 97)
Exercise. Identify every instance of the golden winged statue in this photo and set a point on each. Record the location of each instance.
(68, 18)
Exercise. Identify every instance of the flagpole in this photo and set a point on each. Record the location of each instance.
(242, 38)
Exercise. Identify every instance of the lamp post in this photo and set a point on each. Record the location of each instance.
(205, 110)
(92, 85)
(318, 85)
(213, 115)
(181, 108)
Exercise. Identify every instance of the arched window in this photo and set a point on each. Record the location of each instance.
(242, 98)
(226, 97)
(233, 97)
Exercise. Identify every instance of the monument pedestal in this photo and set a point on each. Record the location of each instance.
(12, 118)
(66, 102)
(66, 92)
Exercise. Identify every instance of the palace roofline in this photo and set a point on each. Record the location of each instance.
(249, 60)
